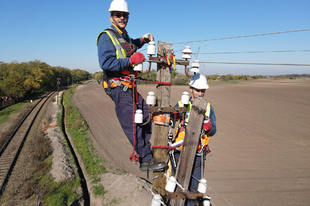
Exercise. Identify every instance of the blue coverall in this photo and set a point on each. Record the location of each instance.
(123, 100)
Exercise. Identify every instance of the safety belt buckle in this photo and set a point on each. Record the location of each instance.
(125, 87)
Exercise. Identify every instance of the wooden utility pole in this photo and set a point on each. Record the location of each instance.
(163, 100)
(192, 134)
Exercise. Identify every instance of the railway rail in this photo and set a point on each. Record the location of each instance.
(10, 151)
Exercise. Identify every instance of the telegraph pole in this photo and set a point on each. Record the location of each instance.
(57, 89)
(163, 100)
(68, 81)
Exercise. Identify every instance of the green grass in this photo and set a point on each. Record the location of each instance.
(99, 190)
(6, 112)
(112, 202)
(60, 193)
(95, 180)
(56, 193)
(222, 82)
(78, 130)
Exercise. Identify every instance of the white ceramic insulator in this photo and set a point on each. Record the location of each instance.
(196, 64)
(138, 67)
(202, 186)
(150, 99)
(171, 184)
(151, 48)
(187, 50)
(138, 116)
(207, 201)
(156, 200)
(186, 56)
(195, 70)
(185, 98)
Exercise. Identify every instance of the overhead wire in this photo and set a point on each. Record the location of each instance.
(235, 37)
(251, 35)
(281, 64)
(251, 52)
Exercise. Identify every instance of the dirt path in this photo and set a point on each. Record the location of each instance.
(260, 152)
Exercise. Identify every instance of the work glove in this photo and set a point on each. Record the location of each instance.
(136, 58)
(147, 38)
(207, 126)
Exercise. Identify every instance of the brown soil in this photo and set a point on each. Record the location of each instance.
(260, 152)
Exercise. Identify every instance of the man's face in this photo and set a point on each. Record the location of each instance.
(197, 92)
(120, 19)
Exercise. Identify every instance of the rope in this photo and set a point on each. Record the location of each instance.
(163, 147)
(132, 156)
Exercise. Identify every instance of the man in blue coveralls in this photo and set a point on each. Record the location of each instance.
(117, 57)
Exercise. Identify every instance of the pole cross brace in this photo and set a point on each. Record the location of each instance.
(184, 195)
(161, 60)
(167, 109)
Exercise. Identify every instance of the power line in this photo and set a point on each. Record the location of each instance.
(251, 35)
(250, 52)
(282, 64)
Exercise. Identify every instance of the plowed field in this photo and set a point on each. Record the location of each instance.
(260, 153)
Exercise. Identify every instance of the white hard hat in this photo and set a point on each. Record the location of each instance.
(119, 5)
(199, 81)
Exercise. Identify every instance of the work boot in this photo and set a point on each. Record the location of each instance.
(153, 165)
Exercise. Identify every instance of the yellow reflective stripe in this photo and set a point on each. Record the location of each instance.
(124, 53)
(117, 55)
(189, 109)
(122, 50)
(108, 34)
(112, 39)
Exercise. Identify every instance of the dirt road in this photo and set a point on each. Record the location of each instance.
(261, 151)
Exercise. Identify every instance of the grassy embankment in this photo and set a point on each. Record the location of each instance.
(79, 133)
(6, 112)
(38, 171)
(216, 82)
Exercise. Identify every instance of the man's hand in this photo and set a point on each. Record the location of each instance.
(136, 58)
(147, 38)
(207, 126)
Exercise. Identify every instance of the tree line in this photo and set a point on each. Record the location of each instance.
(25, 78)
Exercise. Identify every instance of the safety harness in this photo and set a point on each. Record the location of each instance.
(180, 132)
(123, 49)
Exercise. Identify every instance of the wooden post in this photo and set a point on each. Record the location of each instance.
(163, 100)
(192, 134)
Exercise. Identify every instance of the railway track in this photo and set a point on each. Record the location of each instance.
(10, 151)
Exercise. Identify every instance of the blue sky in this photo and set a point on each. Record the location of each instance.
(63, 33)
